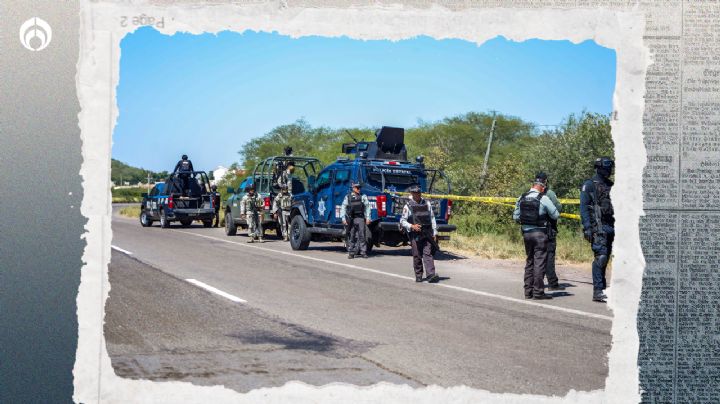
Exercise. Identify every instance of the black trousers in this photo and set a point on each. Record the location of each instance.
(536, 243)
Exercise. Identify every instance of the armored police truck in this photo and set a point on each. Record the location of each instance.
(383, 171)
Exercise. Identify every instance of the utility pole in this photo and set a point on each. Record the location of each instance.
(148, 182)
(483, 176)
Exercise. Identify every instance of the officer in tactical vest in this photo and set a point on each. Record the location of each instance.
(534, 210)
(285, 177)
(598, 221)
(355, 211)
(281, 210)
(552, 279)
(419, 221)
(183, 168)
(251, 206)
(216, 203)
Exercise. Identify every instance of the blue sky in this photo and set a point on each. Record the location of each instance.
(206, 95)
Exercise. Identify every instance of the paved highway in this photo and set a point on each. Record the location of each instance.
(195, 305)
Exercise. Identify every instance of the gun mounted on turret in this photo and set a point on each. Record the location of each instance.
(389, 144)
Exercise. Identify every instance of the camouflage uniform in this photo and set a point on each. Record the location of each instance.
(252, 207)
(281, 206)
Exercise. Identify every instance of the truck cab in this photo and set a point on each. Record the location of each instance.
(382, 169)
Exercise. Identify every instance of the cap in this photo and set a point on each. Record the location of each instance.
(540, 178)
(250, 186)
(414, 188)
(354, 184)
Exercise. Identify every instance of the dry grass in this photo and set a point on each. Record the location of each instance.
(130, 211)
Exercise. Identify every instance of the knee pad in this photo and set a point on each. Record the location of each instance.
(602, 260)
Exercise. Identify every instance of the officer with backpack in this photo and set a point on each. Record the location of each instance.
(598, 220)
(534, 211)
(355, 211)
(419, 221)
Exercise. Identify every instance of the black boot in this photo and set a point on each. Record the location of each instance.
(433, 279)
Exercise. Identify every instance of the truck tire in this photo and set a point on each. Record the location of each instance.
(230, 227)
(186, 222)
(299, 234)
(144, 220)
(164, 223)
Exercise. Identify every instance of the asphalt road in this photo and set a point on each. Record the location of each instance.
(277, 315)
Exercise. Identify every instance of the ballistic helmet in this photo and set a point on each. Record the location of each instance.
(184, 157)
(213, 187)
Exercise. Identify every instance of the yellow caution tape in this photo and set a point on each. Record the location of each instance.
(495, 200)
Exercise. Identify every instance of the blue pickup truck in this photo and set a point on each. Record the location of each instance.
(183, 197)
(384, 173)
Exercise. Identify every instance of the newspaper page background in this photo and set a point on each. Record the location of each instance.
(679, 348)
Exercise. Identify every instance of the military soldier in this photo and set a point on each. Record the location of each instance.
(251, 207)
(355, 211)
(286, 177)
(598, 221)
(553, 282)
(281, 210)
(534, 210)
(216, 203)
(419, 221)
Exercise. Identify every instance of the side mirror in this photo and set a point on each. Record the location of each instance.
(144, 194)
(230, 190)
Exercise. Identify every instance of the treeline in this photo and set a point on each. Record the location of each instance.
(458, 144)
(121, 173)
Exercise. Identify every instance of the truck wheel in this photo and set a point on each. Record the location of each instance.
(186, 222)
(230, 227)
(164, 223)
(207, 223)
(299, 234)
(144, 220)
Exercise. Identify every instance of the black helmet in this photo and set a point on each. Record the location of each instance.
(184, 157)
(604, 162)
(213, 187)
(414, 188)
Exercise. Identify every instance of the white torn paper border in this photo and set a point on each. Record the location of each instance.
(97, 79)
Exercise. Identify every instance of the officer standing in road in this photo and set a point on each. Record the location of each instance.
(553, 282)
(419, 221)
(598, 221)
(533, 210)
(281, 210)
(216, 203)
(251, 207)
(355, 211)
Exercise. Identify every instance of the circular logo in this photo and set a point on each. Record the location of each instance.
(35, 34)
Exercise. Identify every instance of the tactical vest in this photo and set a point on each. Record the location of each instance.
(601, 200)
(285, 202)
(356, 207)
(254, 203)
(530, 211)
(420, 214)
(184, 166)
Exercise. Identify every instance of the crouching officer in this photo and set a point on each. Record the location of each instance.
(419, 221)
(251, 207)
(281, 210)
(534, 210)
(598, 221)
(355, 211)
(216, 203)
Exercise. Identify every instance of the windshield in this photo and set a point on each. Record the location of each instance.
(399, 179)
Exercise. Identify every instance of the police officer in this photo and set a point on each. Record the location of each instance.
(419, 221)
(533, 210)
(355, 211)
(598, 221)
(281, 210)
(552, 279)
(216, 203)
(184, 165)
(251, 206)
(286, 177)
